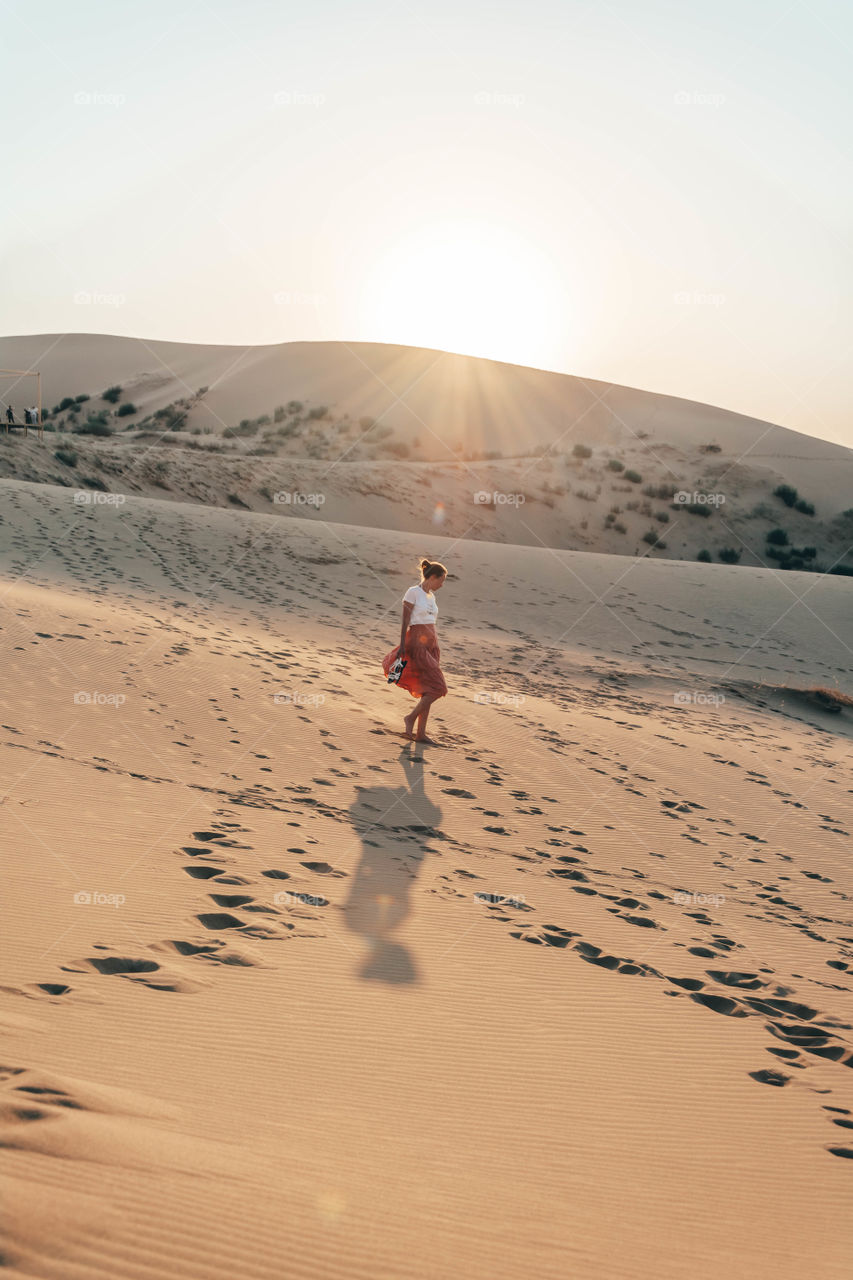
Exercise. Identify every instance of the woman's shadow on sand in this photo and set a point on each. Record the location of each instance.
(395, 825)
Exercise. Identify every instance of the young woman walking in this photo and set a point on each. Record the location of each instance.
(421, 676)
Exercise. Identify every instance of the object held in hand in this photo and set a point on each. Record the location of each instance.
(396, 671)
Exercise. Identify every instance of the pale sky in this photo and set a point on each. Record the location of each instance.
(650, 192)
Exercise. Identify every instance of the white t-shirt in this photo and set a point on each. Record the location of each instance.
(425, 610)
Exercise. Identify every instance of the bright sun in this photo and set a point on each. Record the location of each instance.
(470, 287)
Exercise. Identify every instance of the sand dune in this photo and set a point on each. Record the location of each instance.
(394, 437)
(286, 995)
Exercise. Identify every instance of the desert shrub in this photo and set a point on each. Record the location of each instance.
(619, 527)
(633, 476)
(709, 448)
(202, 391)
(695, 508)
(95, 425)
(609, 518)
(652, 537)
(807, 508)
(171, 416)
(845, 569)
(68, 456)
(586, 495)
(582, 451)
(111, 394)
(294, 406)
(729, 555)
(614, 464)
(663, 516)
(81, 399)
(787, 493)
(67, 403)
(280, 413)
(809, 553)
(704, 556)
(125, 410)
(399, 448)
(264, 420)
(662, 491)
(777, 538)
(617, 510)
(319, 411)
(94, 482)
(366, 423)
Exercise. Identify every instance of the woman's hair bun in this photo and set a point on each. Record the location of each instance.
(432, 569)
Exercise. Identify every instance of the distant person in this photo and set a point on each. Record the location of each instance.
(418, 650)
(10, 416)
(34, 415)
(27, 418)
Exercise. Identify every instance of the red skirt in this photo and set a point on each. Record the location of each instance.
(422, 673)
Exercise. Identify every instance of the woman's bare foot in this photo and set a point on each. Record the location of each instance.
(424, 738)
(409, 722)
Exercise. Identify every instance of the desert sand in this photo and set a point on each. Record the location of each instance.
(568, 994)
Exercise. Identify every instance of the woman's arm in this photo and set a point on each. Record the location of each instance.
(407, 613)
